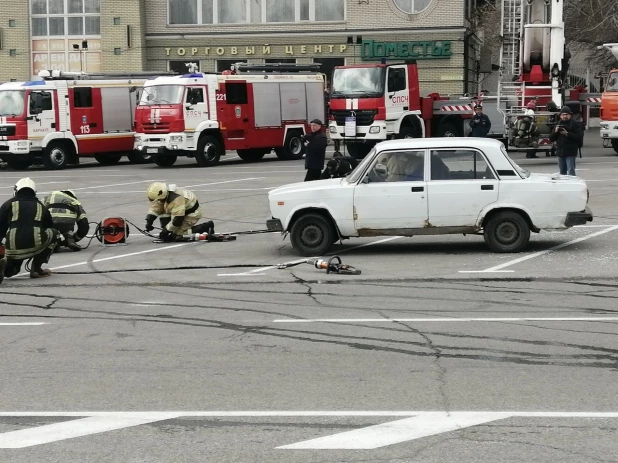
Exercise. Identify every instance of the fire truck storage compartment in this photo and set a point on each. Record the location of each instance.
(287, 101)
(117, 109)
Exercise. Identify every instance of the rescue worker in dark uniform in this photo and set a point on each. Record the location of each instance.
(316, 143)
(178, 211)
(67, 211)
(28, 230)
(480, 123)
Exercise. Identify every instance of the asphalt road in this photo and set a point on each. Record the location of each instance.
(206, 352)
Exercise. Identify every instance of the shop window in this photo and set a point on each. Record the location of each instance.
(236, 93)
(82, 97)
(181, 66)
(411, 6)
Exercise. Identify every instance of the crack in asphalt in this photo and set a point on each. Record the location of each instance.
(309, 292)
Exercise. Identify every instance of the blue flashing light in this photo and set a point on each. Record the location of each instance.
(34, 82)
(189, 76)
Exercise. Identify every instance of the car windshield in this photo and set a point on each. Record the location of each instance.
(162, 94)
(11, 102)
(355, 175)
(358, 81)
(612, 82)
(522, 172)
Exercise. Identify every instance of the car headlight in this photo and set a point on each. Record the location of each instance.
(374, 129)
(22, 143)
(176, 138)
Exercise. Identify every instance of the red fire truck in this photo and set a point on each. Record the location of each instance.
(370, 103)
(66, 116)
(252, 109)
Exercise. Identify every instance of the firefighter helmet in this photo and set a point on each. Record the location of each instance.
(531, 105)
(25, 182)
(157, 191)
(70, 193)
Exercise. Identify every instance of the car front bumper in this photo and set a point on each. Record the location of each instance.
(578, 218)
(274, 225)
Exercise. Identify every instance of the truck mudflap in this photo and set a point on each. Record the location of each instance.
(578, 218)
(274, 225)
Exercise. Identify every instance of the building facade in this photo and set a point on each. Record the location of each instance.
(164, 35)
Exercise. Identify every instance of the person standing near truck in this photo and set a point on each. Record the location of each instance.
(480, 123)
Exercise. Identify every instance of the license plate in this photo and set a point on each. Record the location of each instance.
(152, 150)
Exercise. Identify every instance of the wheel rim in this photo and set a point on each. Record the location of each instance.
(296, 145)
(312, 236)
(507, 233)
(57, 156)
(210, 151)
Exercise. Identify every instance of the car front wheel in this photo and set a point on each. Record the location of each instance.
(312, 235)
(507, 232)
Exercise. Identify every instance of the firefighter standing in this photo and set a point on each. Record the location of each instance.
(178, 210)
(28, 230)
(480, 123)
(67, 211)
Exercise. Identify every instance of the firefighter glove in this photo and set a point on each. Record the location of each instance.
(149, 221)
(166, 236)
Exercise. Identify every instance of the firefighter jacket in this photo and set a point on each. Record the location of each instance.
(26, 225)
(66, 212)
(178, 205)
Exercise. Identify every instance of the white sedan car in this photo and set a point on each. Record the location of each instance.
(430, 186)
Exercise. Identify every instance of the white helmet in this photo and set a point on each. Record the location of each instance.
(529, 112)
(26, 182)
(70, 193)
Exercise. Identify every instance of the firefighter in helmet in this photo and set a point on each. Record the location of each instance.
(178, 210)
(67, 211)
(28, 230)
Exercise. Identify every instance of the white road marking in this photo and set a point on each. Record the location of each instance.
(23, 324)
(194, 190)
(540, 253)
(114, 184)
(74, 428)
(443, 320)
(395, 432)
(227, 181)
(44, 183)
(264, 269)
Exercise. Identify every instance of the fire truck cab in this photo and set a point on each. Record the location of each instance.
(370, 103)
(65, 116)
(252, 109)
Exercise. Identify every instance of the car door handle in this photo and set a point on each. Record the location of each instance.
(418, 188)
(487, 187)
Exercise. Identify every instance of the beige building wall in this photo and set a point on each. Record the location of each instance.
(15, 50)
(123, 29)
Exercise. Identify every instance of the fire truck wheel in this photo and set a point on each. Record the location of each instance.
(251, 155)
(293, 148)
(359, 150)
(614, 145)
(165, 161)
(447, 130)
(208, 151)
(139, 157)
(107, 160)
(19, 164)
(55, 156)
(312, 235)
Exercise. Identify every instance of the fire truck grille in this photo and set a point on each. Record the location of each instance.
(161, 127)
(363, 117)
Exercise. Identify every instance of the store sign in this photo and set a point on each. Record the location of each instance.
(258, 50)
(373, 50)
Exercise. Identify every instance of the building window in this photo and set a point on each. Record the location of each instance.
(116, 21)
(12, 52)
(12, 23)
(411, 6)
(280, 60)
(117, 51)
(226, 64)
(180, 66)
(256, 11)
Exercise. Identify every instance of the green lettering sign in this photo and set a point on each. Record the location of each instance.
(373, 50)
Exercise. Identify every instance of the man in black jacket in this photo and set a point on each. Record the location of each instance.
(568, 136)
(29, 230)
(480, 123)
(316, 143)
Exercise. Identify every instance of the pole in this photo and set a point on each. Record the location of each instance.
(587, 91)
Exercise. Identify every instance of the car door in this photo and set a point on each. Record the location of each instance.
(398, 97)
(41, 115)
(392, 196)
(196, 108)
(461, 185)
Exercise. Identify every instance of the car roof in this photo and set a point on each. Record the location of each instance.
(440, 142)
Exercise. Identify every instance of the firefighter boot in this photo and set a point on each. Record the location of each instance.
(206, 227)
(71, 244)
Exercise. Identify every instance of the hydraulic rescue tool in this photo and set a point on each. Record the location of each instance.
(332, 265)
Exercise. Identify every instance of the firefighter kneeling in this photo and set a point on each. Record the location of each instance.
(66, 212)
(29, 231)
(178, 211)
(525, 132)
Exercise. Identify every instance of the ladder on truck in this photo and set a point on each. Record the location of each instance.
(275, 68)
(511, 44)
(64, 75)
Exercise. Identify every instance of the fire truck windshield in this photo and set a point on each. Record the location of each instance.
(364, 81)
(162, 94)
(612, 82)
(11, 102)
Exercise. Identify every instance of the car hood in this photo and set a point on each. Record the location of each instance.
(316, 185)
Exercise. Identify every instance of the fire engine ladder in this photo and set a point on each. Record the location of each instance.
(276, 68)
(509, 88)
(63, 75)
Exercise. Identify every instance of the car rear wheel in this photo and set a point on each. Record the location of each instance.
(312, 235)
(507, 232)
